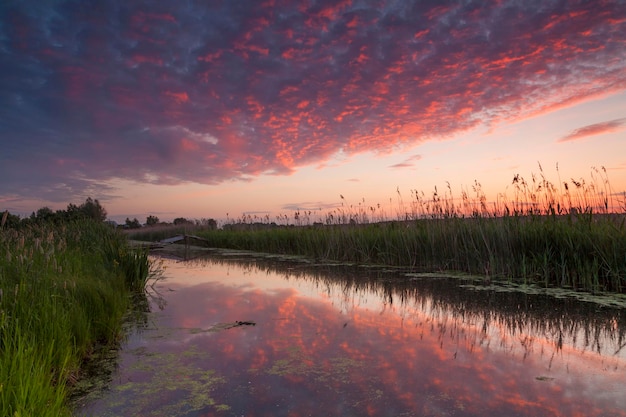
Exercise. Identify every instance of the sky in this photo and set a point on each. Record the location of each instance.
(224, 109)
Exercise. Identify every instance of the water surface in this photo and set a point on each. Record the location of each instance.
(253, 337)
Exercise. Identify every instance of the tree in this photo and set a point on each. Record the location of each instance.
(132, 224)
(44, 214)
(181, 221)
(93, 210)
(73, 212)
(152, 220)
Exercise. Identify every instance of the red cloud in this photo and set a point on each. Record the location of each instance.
(278, 85)
(178, 98)
(594, 129)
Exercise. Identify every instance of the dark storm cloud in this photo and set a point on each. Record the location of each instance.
(171, 92)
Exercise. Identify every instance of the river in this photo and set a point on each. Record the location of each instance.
(240, 335)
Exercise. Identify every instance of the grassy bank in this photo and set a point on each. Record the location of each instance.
(63, 291)
(584, 251)
(577, 251)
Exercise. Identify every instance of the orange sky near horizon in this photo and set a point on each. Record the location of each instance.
(277, 107)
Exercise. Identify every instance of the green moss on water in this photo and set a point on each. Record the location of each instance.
(607, 300)
(334, 373)
(167, 384)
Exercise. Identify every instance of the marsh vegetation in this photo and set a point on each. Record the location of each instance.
(64, 288)
(570, 235)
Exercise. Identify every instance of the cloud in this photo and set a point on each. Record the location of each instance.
(172, 93)
(309, 206)
(407, 163)
(594, 129)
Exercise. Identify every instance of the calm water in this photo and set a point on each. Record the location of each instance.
(250, 337)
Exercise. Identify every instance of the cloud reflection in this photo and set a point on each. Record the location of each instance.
(338, 343)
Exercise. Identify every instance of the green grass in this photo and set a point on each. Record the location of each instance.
(63, 291)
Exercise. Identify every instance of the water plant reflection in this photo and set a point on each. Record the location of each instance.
(586, 326)
(354, 341)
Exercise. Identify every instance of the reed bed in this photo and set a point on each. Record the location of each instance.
(566, 234)
(581, 252)
(63, 292)
(160, 232)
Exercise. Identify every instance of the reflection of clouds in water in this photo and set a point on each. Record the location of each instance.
(382, 346)
(428, 326)
(561, 323)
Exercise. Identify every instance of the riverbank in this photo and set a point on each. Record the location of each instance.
(580, 251)
(63, 291)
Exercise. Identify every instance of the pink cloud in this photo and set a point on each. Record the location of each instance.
(594, 129)
(408, 163)
(279, 85)
(178, 98)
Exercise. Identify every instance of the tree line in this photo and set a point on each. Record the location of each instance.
(90, 209)
(179, 221)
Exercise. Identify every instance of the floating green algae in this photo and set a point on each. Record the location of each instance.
(336, 372)
(168, 384)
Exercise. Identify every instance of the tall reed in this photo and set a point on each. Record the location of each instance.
(570, 235)
(63, 291)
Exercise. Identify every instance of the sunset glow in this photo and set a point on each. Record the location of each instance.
(219, 109)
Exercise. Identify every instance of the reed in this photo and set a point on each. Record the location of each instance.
(63, 291)
(570, 234)
(159, 232)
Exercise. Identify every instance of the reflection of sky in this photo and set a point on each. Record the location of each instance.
(315, 351)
